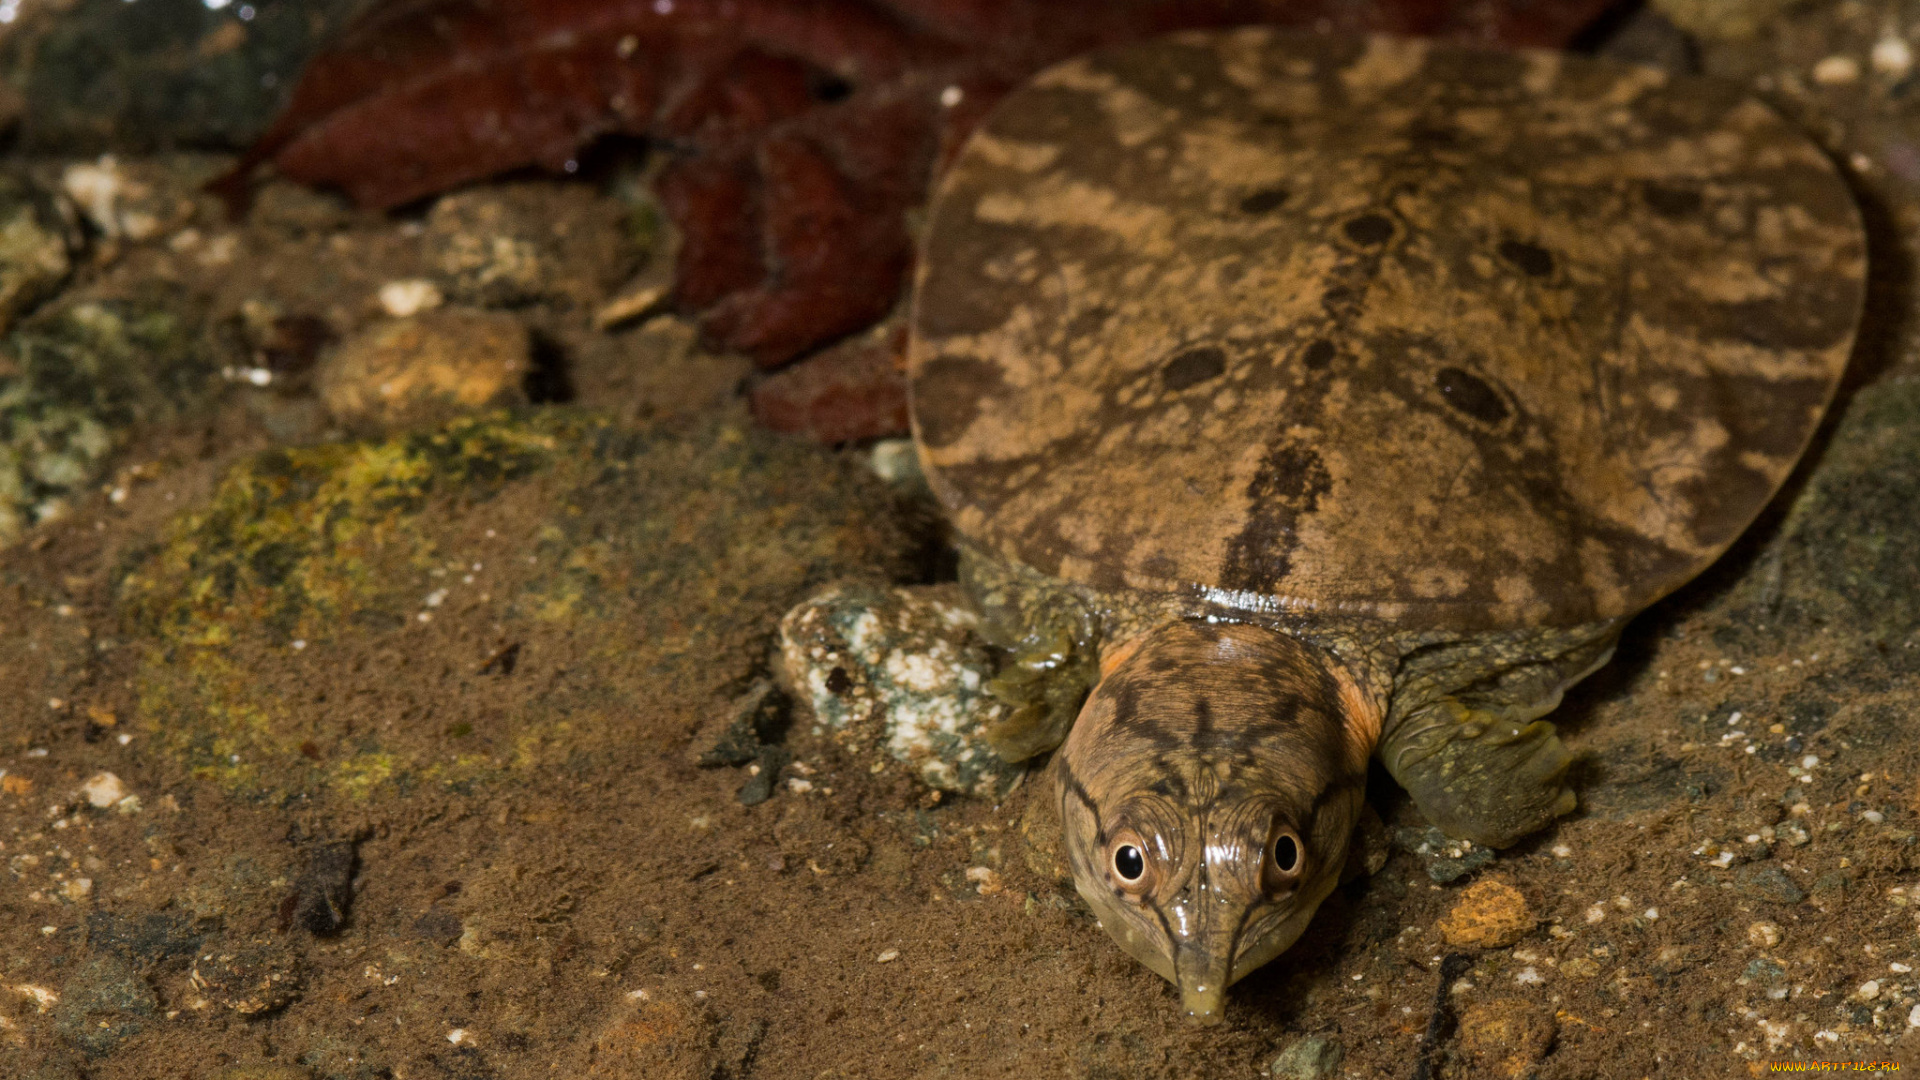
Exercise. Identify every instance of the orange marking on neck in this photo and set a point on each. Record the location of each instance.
(1111, 658)
(1360, 714)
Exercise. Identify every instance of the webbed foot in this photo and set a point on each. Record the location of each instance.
(1488, 775)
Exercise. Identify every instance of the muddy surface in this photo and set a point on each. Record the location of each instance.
(353, 747)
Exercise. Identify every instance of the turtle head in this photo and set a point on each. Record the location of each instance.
(1207, 794)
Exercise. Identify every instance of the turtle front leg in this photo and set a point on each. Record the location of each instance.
(1043, 680)
(1489, 774)
(1050, 656)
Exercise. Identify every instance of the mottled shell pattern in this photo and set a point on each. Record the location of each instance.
(1409, 331)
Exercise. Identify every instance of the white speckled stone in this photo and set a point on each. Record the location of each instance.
(899, 674)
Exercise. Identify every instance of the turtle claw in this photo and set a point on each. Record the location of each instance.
(1481, 774)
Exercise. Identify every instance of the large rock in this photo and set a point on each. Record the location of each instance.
(424, 367)
(898, 676)
(74, 379)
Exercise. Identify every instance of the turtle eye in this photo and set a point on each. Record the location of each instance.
(1286, 854)
(1285, 858)
(1132, 875)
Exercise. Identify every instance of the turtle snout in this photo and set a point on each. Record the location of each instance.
(1204, 974)
(1203, 920)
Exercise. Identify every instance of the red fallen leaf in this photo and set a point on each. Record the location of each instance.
(804, 130)
(848, 392)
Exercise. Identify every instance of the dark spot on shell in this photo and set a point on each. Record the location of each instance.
(1470, 394)
(1317, 355)
(1265, 200)
(1193, 367)
(1369, 230)
(838, 681)
(1671, 202)
(947, 394)
(1533, 259)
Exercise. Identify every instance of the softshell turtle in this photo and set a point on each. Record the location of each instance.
(1320, 399)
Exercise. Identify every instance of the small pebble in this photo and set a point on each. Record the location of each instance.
(1489, 914)
(1892, 56)
(1769, 883)
(1869, 990)
(1764, 934)
(987, 881)
(642, 296)
(887, 957)
(896, 461)
(1505, 1038)
(409, 297)
(426, 365)
(103, 789)
(112, 202)
(1314, 1057)
(1836, 70)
